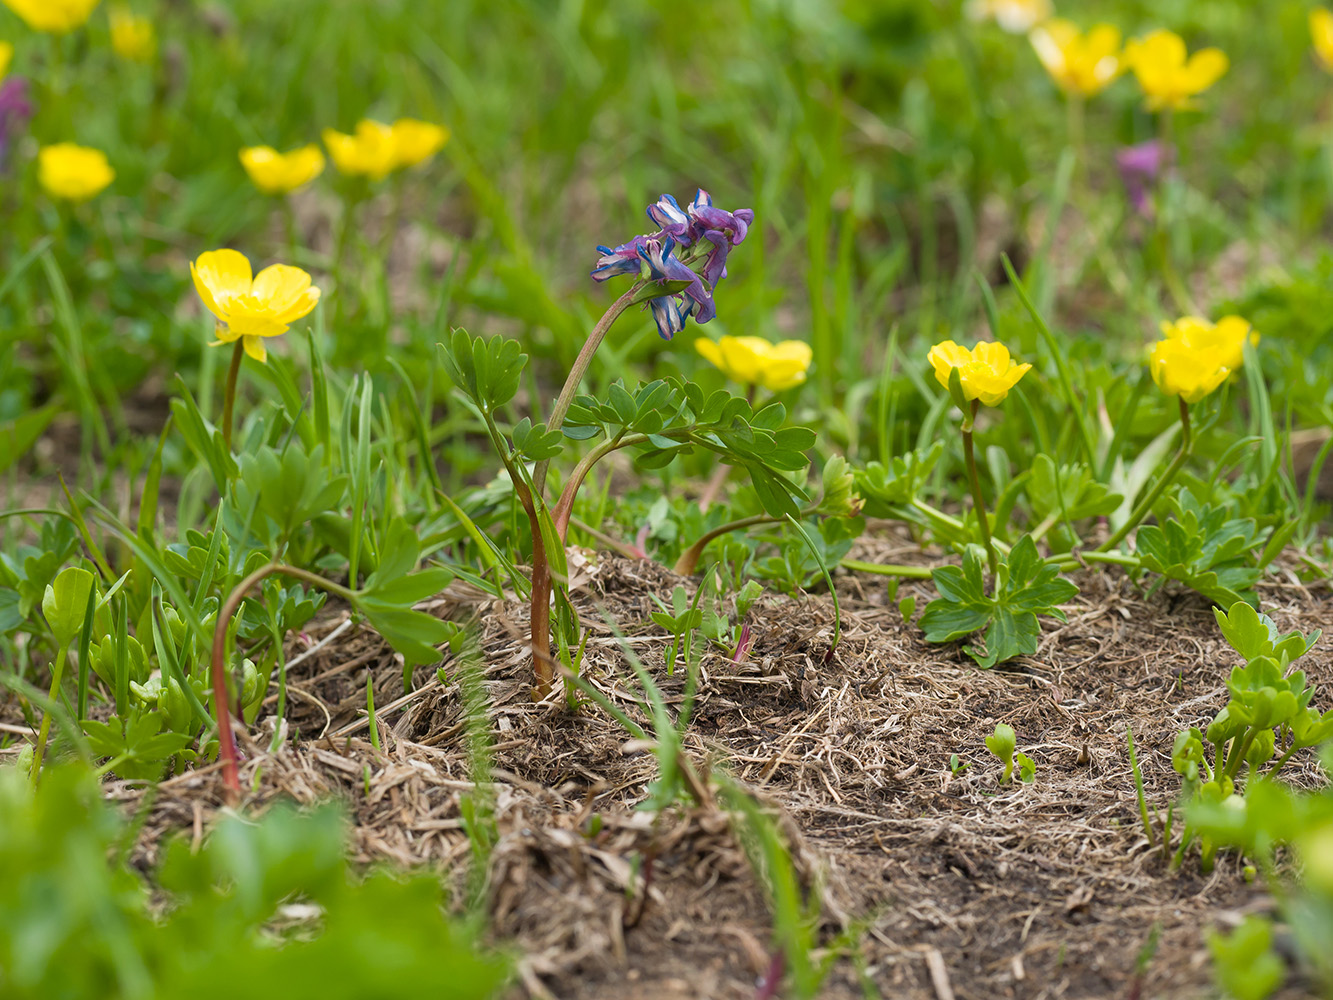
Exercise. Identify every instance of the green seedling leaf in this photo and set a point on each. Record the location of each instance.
(1244, 963)
(65, 603)
(1252, 634)
(1001, 743)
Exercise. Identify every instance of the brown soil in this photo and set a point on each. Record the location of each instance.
(959, 886)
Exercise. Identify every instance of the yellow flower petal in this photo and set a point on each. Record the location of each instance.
(1205, 68)
(280, 173)
(1079, 64)
(986, 373)
(1321, 32)
(57, 16)
(256, 349)
(416, 141)
(370, 152)
(6, 54)
(221, 277)
(132, 37)
(74, 173)
(756, 361)
(285, 292)
(1159, 61)
(263, 306)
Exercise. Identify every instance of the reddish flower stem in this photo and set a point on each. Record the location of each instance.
(221, 705)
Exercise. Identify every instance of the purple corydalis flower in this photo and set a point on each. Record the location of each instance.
(678, 227)
(705, 217)
(668, 216)
(1140, 166)
(623, 259)
(15, 110)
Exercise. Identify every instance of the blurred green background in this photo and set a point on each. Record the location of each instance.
(891, 150)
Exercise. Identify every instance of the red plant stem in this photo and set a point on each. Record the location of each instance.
(543, 667)
(221, 706)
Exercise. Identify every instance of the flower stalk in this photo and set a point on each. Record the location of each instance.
(221, 704)
(978, 500)
(579, 369)
(1145, 505)
(229, 393)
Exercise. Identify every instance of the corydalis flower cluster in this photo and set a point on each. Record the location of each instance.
(698, 235)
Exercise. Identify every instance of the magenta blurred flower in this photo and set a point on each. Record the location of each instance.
(1140, 167)
(15, 111)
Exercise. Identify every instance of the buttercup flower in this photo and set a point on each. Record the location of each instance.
(251, 308)
(986, 372)
(1140, 167)
(756, 361)
(280, 173)
(1224, 340)
(57, 16)
(370, 152)
(416, 141)
(1169, 79)
(1321, 31)
(72, 172)
(1188, 372)
(132, 36)
(1018, 17)
(6, 54)
(1079, 64)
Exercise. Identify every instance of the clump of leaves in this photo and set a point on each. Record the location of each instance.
(1027, 586)
(73, 924)
(1268, 713)
(1201, 547)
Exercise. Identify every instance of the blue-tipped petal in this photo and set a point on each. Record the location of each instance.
(667, 214)
(668, 316)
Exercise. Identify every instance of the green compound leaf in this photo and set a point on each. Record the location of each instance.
(487, 371)
(1028, 587)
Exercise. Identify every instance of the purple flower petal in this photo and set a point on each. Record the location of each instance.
(671, 219)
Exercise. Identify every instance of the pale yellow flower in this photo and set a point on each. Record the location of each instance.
(416, 141)
(1015, 16)
(756, 361)
(1169, 76)
(369, 152)
(281, 173)
(74, 173)
(6, 54)
(251, 308)
(986, 372)
(1079, 64)
(58, 16)
(133, 37)
(1225, 339)
(1321, 31)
